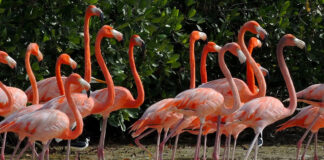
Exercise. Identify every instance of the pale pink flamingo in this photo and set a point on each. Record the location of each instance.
(261, 112)
(123, 98)
(84, 104)
(46, 124)
(202, 102)
(48, 88)
(304, 119)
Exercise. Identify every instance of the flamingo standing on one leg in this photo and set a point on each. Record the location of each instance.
(46, 124)
(124, 98)
(304, 119)
(48, 88)
(261, 112)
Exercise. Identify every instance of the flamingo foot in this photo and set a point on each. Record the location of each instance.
(101, 154)
(2, 157)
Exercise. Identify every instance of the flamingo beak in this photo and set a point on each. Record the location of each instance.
(95, 80)
(88, 93)
(102, 18)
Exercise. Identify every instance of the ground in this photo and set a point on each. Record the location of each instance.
(184, 152)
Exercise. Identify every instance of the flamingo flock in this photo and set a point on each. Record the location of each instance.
(222, 106)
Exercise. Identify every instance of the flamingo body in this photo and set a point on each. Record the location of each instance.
(19, 97)
(313, 92)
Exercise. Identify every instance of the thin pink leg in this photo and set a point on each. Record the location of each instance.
(15, 150)
(216, 145)
(137, 141)
(251, 146)
(23, 150)
(68, 150)
(161, 146)
(300, 142)
(205, 147)
(256, 150)
(233, 152)
(45, 147)
(102, 139)
(225, 148)
(315, 148)
(157, 145)
(174, 150)
(3, 146)
(229, 147)
(34, 152)
(308, 142)
(196, 157)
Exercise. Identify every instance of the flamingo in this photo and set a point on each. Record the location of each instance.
(124, 98)
(48, 88)
(202, 102)
(147, 116)
(84, 104)
(304, 119)
(43, 125)
(263, 111)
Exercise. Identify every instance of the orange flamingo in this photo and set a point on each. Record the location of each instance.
(124, 98)
(48, 88)
(304, 119)
(43, 125)
(261, 112)
(201, 102)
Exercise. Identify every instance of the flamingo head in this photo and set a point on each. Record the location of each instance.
(197, 35)
(92, 10)
(137, 40)
(76, 79)
(34, 49)
(255, 42)
(291, 40)
(235, 49)
(110, 32)
(264, 71)
(67, 60)
(6, 59)
(212, 47)
(255, 28)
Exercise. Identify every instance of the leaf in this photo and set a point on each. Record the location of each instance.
(35, 66)
(191, 12)
(190, 2)
(92, 1)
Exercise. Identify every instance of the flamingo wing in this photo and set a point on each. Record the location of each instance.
(19, 97)
(314, 92)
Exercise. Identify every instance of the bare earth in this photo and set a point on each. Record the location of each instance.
(131, 152)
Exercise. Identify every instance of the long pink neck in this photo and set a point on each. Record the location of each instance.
(139, 86)
(59, 77)
(203, 71)
(228, 76)
(192, 63)
(258, 74)
(285, 73)
(78, 118)
(250, 73)
(87, 58)
(99, 107)
(32, 78)
(7, 107)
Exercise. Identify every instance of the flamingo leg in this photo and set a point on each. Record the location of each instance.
(68, 150)
(205, 147)
(229, 147)
(167, 138)
(45, 147)
(300, 142)
(308, 142)
(77, 156)
(23, 150)
(216, 145)
(15, 150)
(196, 157)
(315, 147)
(137, 141)
(157, 145)
(34, 152)
(251, 146)
(102, 139)
(3, 146)
(225, 148)
(256, 150)
(175, 147)
(233, 152)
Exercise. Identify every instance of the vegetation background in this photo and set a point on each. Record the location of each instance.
(165, 25)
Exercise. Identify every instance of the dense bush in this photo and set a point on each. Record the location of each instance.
(165, 26)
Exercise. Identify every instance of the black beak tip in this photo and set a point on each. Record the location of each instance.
(102, 18)
(205, 41)
(243, 67)
(88, 93)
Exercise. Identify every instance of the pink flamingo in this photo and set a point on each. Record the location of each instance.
(48, 88)
(43, 125)
(261, 112)
(201, 102)
(124, 98)
(304, 119)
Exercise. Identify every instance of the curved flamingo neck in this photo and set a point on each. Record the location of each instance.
(286, 75)
(139, 86)
(78, 118)
(87, 58)
(7, 107)
(250, 73)
(203, 71)
(192, 63)
(59, 80)
(32, 78)
(228, 76)
(258, 74)
(99, 107)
